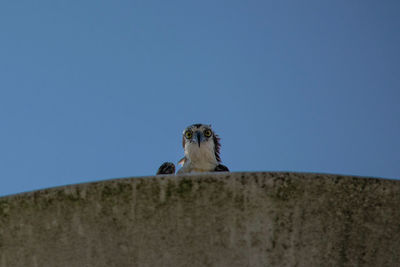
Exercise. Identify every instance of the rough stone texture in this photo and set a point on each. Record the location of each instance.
(231, 219)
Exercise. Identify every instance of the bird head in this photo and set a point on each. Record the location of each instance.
(201, 136)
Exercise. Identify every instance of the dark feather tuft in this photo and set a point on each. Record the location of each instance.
(221, 168)
(166, 168)
(217, 146)
(197, 125)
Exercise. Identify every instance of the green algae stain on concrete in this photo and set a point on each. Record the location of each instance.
(232, 219)
(180, 188)
(4, 211)
(184, 187)
(285, 189)
(116, 190)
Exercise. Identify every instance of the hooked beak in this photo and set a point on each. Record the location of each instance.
(198, 138)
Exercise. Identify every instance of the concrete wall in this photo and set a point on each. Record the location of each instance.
(233, 219)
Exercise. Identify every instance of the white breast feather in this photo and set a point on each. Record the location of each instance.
(199, 159)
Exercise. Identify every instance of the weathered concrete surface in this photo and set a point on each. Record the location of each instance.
(236, 219)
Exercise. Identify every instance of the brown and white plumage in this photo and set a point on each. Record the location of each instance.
(202, 152)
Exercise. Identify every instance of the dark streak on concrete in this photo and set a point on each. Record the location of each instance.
(216, 219)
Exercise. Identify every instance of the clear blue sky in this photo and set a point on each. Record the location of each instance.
(94, 90)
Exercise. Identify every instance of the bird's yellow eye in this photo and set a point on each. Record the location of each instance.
(188, 134)
(207, 133)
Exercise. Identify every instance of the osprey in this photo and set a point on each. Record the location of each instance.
(201, 146)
